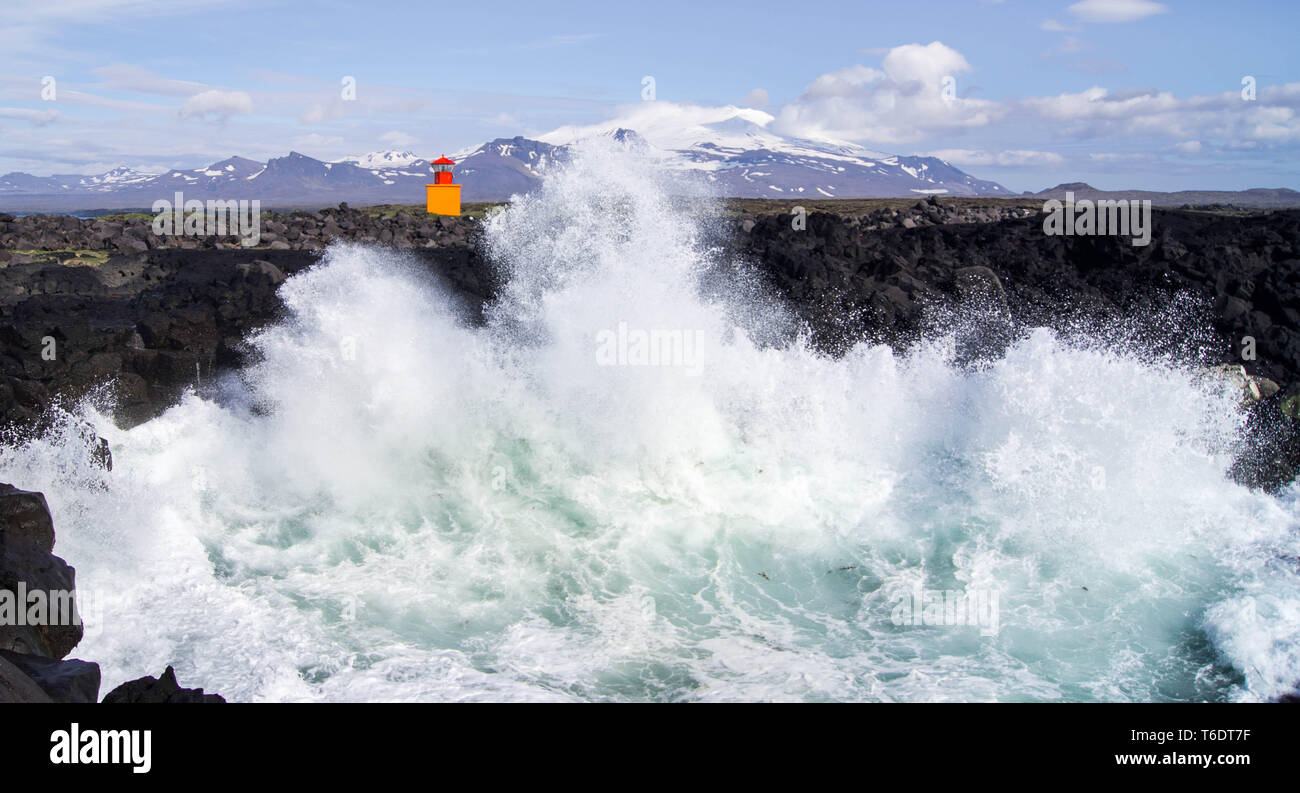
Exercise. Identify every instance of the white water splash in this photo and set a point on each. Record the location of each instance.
(397, 505)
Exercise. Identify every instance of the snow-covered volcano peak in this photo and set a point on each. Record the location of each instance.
(376, 160)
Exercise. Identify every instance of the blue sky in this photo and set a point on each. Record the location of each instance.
(1119, 93)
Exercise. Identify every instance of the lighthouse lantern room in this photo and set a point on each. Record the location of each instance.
(443, 194)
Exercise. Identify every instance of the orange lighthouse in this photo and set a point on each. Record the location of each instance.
(443, 195)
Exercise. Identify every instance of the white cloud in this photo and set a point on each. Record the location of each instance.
(1116, 10)
(1097, 112)
(217, 104)
(904, 100)
(1189, 147)
(1056, 27)
(756, 98)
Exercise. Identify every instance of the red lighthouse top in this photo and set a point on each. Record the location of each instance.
(442, 170)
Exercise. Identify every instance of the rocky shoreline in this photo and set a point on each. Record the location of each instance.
(41, 625)
(104, 309)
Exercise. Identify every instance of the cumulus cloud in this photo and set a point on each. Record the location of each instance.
(217, 104)
(1097, 112)
(901, 101)
(904, 101)
(756, 98)
(911, 95)
(1116, 10)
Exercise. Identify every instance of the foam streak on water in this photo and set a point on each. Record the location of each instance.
(397, 505)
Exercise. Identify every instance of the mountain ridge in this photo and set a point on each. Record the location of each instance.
(730, 149)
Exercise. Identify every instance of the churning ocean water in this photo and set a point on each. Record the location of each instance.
(395, 503)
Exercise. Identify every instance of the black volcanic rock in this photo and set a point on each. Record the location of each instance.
(1244, 271)
(31, 669)
(149, 324)
(70, 681)
(28, 564)
(162, 689)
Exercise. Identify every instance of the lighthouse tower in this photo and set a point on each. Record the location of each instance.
(443, 195)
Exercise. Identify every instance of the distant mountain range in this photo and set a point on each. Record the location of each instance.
(1257, 197)
(731, 148)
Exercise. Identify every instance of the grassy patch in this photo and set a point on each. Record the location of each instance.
(70, 257)
(123, 217)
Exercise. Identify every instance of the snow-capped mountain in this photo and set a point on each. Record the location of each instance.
(734, 149)
(73, 183)
(293, 180)
(503, 167)
(382, 160)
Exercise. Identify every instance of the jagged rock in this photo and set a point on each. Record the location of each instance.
(159, 689)
(260, 269)
(1270, 454)
(1253, 389)
(27, 564)
(64, 681)
(1236, 375)
(16, 686)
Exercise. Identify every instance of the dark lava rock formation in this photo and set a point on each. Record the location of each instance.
(33, 662)
(32, 656)
(159, 690)
(145, 325)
